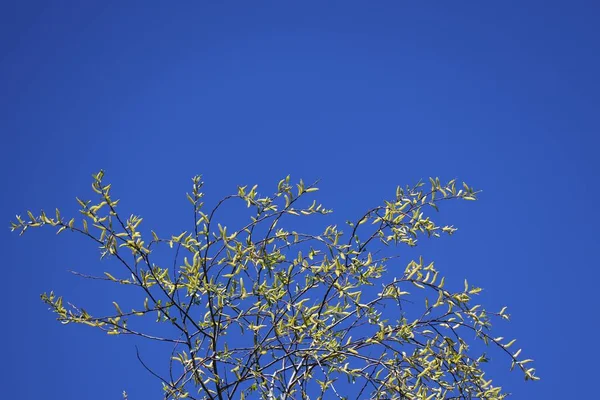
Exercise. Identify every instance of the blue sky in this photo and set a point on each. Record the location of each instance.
(364, 96)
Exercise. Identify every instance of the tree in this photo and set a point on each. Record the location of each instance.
(267, 312)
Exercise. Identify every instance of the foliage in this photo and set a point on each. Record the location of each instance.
(266, 312)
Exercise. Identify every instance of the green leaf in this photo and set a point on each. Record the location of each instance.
(118, 308)
(112, 278)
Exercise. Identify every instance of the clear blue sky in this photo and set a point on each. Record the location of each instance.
(364, 95)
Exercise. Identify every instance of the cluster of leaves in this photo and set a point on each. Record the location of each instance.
(266, 312)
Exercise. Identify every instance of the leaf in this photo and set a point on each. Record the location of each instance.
(112, 278)
(177, 239)
(475, 290)
(517, 353)
(117, 307)
(191, 200)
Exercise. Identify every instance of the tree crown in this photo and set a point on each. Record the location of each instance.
(265, 311)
